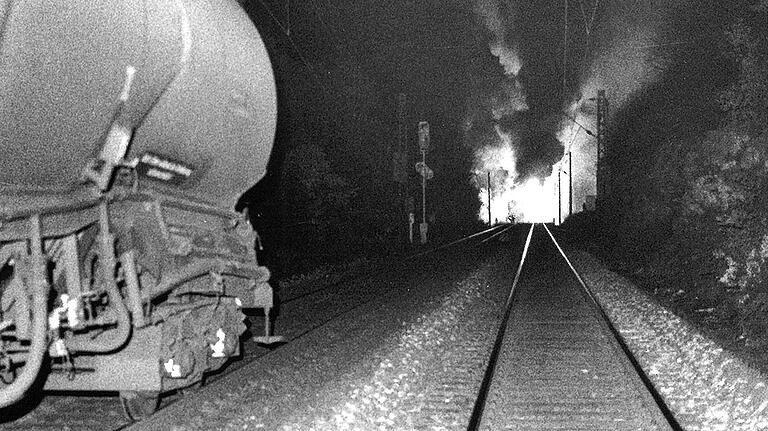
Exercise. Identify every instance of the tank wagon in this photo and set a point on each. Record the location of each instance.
(128, 129)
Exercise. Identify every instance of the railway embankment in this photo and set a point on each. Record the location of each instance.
(705, 386)
(412, 359)
(386, 364)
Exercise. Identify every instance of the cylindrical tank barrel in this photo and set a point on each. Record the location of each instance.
(203, 95)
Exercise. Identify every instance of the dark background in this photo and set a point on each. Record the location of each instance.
(687, 151)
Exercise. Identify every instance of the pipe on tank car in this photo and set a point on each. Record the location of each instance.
(186, 273)
(133, 289)
(39, 286)
(65, 202)
(205, 266)
(115, 338)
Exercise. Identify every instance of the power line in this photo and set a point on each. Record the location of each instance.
(317, 13)
(666, 44)
(589, 132)
(441, 47)
(565, 50)
(573, 138)
(300, 54)
(286, 30)
(588, 24)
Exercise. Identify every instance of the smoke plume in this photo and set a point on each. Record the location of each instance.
(500, 45)
(525, 132)
(624, 60)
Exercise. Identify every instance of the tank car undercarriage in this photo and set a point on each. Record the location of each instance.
(128, 128)
(135, 292)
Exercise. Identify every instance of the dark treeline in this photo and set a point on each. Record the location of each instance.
(329, 194)
(687, 208)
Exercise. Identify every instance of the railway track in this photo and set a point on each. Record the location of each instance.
(376, 269)
(557, 362)
(347, 288)
(554, 362)
(102, 411)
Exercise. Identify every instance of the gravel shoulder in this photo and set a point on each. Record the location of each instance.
(705, 387)
(412, 360)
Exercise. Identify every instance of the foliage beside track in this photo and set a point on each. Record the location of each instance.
(687, 212)
(321, 217)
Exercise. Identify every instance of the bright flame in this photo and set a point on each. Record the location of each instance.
(532, 201)
(535, 200)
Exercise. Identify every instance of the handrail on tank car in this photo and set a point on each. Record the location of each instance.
(75, 201)
(39, 340)
(184, 203)
(202, 267)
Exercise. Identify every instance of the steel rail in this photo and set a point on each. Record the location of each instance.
(460, 240)
(380, 268)
(477, 411)
(378, 271)
(484, 240)
(235, 366)
(668, 415)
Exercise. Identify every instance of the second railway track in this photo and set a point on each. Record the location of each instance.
(410, 350)
(294, 327)
(327, 302)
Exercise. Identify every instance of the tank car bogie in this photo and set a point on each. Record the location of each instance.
(155, 286)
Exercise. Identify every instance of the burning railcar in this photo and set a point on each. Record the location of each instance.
(129, 129)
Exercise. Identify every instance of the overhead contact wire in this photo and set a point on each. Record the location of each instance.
(285, 30)
(565, 50)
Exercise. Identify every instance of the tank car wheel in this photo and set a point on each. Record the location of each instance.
(138, 405)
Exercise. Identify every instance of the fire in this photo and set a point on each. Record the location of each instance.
(534, 200)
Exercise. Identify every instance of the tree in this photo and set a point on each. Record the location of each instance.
(314, 200)
(729, 181)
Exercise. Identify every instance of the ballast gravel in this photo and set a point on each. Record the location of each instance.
(429, 379)
(705, 387)
(413, 361)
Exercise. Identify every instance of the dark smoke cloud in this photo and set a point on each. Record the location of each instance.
(524, 103)
(496, 17)
(498, 112)
(539, 150)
